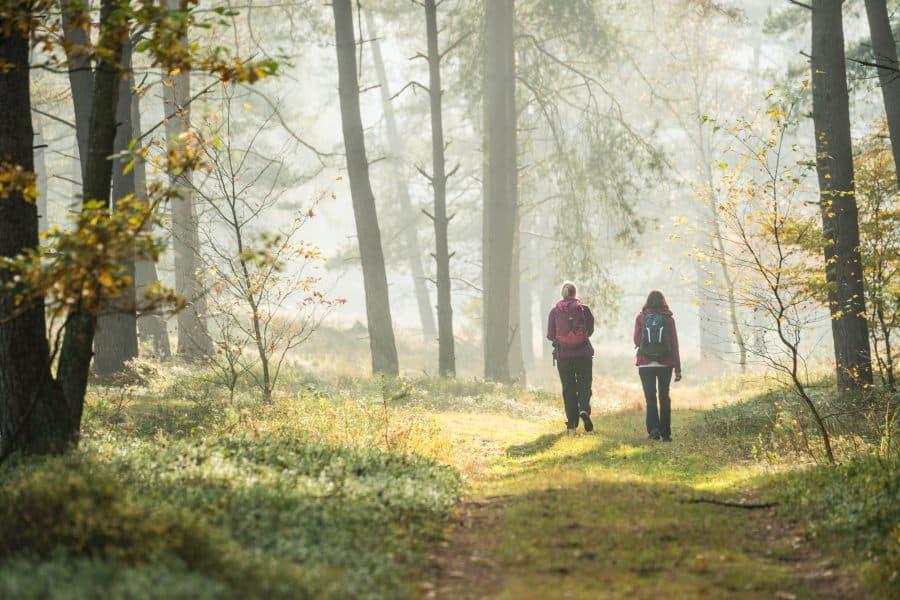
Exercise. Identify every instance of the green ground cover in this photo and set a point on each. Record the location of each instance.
(344, 488)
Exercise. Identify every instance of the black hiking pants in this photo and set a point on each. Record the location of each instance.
(575, 375)
(658, 419)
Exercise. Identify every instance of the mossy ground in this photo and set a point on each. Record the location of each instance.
(613, 515)
(344, 488)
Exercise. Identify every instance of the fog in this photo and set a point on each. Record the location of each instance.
(622, 111)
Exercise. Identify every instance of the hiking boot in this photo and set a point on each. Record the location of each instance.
(667, 438)
(654, 435)
(586, 418)
(570, 430)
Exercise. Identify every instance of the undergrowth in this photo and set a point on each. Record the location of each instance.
(318, 494)
(850, 507)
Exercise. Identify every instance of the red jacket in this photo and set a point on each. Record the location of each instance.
(674, 359)
(586, 350)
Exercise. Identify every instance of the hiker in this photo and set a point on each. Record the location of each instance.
(656, 342)
(570, 327)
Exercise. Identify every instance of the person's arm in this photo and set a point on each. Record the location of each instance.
(551, 327)
(638, 323)
(675, 355)
(589, 319)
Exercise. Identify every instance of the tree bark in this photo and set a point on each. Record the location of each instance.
(413, 248)
(378, 312)
(840, 218)
(150, 325)
(194, 341)
(75, 356)
(516, 358)
(116, 339)
(40, 172)
(81, 80)
(446, 344)
(500, 178)
(526, 292)
(33, 414)
(885, 49)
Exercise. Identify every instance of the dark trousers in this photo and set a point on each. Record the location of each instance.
(658, 419)
(575, 375)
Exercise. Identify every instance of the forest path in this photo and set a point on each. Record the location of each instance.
(613, 515)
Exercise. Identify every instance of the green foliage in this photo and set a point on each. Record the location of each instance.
(854, 505)
(318, 494)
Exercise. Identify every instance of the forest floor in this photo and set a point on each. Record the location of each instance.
(612, 514)
(384, 489)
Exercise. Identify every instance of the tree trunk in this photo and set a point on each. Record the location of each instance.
(150, 325)
(885, 49)
(526, 319)
(413, 248)
(516, 358)
(33, 415)
(840, 219)
(116, 339)
(446, 345)
(75, 355)
(500, 177)
(194, 341)
(378, 311)
(40, 172)
(722, 259)
(76, 31)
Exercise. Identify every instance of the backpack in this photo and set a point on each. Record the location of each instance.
(571, 326)
(656, 339)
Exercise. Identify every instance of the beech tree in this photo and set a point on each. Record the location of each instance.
(395, 145)
(884, 47)
(40, 412)
(438, 179)
(193, 336)
(500, 186)
(378, 311)
(838, 207)
(116, 341)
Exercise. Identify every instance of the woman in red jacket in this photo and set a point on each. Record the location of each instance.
(657, 356)
(570, 327)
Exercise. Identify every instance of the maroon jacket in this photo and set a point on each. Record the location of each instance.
(583, 351)
(674, 359)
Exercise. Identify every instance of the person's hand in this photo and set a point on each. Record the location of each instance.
(677, 376)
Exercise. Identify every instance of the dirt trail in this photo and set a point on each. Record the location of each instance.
(611, 515)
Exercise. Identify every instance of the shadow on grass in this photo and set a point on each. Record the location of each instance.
(533, 447)
(639, 539)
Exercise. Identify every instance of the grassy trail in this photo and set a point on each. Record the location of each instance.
(609, 515)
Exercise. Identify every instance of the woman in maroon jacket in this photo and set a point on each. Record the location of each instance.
(656, 341)
(570, 326)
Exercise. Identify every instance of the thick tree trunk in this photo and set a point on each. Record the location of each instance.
(413, 248)
(194, 341)
(378, 311)
(446, 345)
(76, 31)
(840, 219)
(150, 325)
(116, 339)
(75, 355)
(885, 49)
(33, 414)
(500, 177)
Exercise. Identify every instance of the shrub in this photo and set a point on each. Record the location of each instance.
(78, 507)
(855, 504)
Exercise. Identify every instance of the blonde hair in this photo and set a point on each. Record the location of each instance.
(568, 290)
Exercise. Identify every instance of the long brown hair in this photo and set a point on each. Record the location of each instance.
(656, 300)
